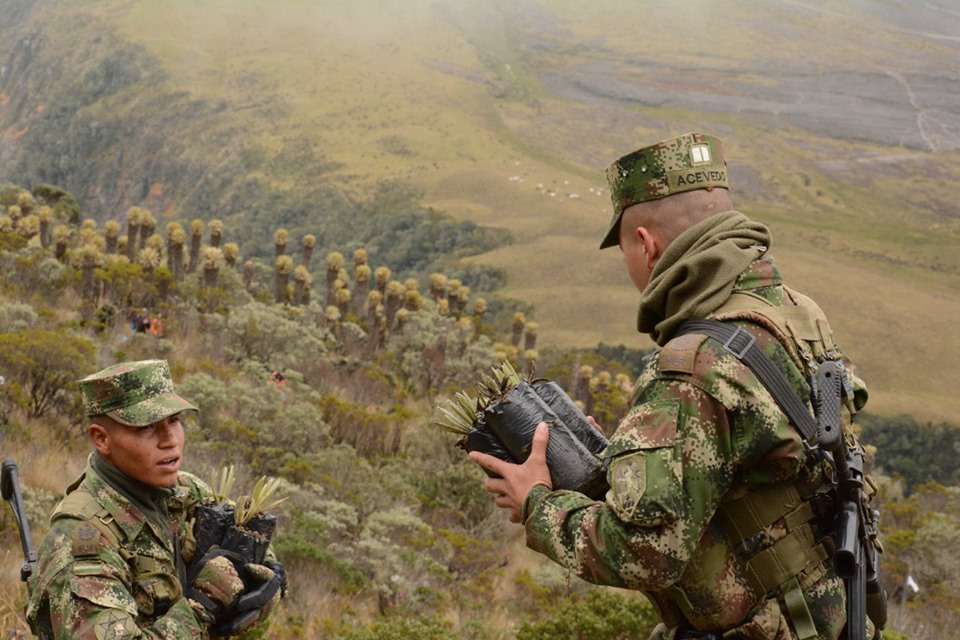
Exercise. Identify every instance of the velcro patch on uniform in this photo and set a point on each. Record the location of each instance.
(114, 625)
(86, 540)
(88, 569)
(680, 354)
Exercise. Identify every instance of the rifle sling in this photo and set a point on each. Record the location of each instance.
(741, 345)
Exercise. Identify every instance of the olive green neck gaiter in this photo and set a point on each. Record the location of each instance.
(151, 501)
(697, 272)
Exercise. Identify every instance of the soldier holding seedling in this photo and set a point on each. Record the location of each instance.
(120, 559)
(725, 507)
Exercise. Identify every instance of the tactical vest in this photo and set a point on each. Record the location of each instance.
(155, 584)
(797, 559)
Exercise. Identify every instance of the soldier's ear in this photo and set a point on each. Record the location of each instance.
(651, 245)
(100, 437)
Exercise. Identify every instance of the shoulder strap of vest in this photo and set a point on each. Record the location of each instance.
(80, 504)
(742, 345)
(804, 322)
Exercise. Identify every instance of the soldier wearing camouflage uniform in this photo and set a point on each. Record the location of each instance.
(113, 562)
(715, 510)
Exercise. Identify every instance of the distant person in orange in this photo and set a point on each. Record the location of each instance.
(156, 327)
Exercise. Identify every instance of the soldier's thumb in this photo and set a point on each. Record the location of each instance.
(541, 436)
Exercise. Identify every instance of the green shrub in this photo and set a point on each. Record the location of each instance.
(401, 629)
(35, 273)
(602, 615)
(41, 369)
(16, 317)
(918, 452)
(265, 334)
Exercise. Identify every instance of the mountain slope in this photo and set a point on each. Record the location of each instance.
(839, 116)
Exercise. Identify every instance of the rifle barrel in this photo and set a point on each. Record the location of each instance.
(856, 600)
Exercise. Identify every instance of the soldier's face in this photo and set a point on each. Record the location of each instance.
(151, 454)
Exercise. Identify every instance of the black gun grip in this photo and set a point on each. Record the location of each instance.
(9, 477)
(829, 386)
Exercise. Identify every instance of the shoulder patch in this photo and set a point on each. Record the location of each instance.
(114, 625)
(680, 354)
(86, 540)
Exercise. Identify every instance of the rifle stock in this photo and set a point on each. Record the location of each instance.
(10, 489)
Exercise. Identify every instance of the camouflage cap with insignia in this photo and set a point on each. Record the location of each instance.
(136, 394)
(685, 163)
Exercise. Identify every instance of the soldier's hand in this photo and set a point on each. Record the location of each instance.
(262, 593)
(516, 480)
(278, 569)
(215, 586)
(593, 423)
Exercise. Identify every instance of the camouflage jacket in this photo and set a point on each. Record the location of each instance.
(701, 433)
(88, 585)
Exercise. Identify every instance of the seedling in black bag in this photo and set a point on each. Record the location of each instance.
(244, 526)
(503, 416)
(463, 415)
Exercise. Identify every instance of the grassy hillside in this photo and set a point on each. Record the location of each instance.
(385, 532)
(839, 118)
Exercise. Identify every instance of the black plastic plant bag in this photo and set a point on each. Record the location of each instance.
(212, 523)
(572, 466)
(216, 526)
(252, 539)
(482, 439)
(570, 414)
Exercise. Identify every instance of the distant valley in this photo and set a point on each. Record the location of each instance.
(840, 119)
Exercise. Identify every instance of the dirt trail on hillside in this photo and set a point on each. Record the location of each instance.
(882, 106)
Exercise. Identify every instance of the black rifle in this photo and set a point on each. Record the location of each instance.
(856, 535)
(10, 488)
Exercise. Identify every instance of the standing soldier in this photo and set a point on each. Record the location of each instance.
(717, 510)
(114, 562)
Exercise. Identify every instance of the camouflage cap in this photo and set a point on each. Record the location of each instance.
(685, 163)
(136, 394)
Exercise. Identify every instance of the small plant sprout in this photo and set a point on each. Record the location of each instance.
(461, 413)
(458, 414)
(248, 507)
(504, 379)
(224, 487)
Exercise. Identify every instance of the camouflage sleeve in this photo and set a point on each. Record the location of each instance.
(90, 597)
(860, 393)
(671, 461)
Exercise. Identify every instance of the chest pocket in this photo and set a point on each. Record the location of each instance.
(155, 584)
(97, 582)
(645, 472)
